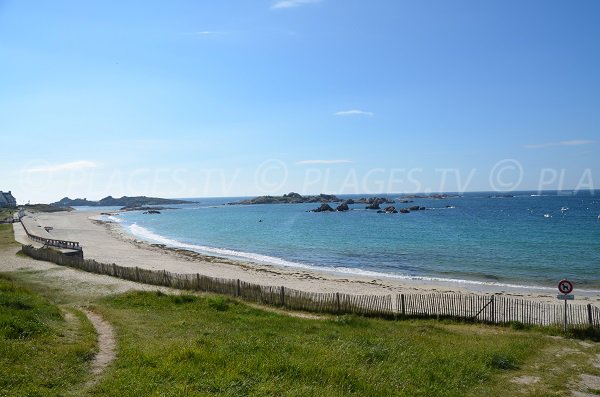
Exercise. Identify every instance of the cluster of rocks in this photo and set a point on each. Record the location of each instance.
(374, 200)
(374, 204)
(152, 212)
(392, 210)
(290, 198)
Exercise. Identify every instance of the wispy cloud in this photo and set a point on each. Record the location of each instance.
(74, 165)
(207, 33)
(323, 162)
(575, 142)
(354, 112)
(293, 3)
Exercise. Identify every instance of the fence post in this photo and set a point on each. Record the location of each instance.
(237, 288)
(282, 292)
(137, 274)
(403, 307)
(337, 299)
(493, 307)
(589, 311)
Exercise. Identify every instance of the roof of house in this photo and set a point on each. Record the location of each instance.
(7, 198)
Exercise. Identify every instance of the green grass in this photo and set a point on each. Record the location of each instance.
(6, 213)
(189, 345)
(6, 235)
(40, 353)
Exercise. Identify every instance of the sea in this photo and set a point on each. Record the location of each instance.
(520, 239)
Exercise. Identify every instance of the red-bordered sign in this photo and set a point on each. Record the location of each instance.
(565, 286)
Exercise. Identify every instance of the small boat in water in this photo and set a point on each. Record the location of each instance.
(563, 209)
(547, 216)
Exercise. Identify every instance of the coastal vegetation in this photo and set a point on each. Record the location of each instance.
(209, 345)
(6, 213)
(205, 344)
(41, 352)
(190, 345)
(6, 236)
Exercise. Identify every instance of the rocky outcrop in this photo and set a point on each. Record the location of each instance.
(290, 198)
(323, 208)
(342, 207)
(375, 202)
(389, 210)
(373, 206)
(152, 212)
(372, 200)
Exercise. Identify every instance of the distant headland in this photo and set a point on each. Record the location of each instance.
(125, 201)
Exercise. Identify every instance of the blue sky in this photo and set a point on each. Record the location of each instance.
(227, 98)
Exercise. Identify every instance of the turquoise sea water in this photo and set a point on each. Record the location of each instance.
(522, 240)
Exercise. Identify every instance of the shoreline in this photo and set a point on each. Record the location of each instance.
(109, 242)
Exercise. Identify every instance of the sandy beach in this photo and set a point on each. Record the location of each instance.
(107, 242)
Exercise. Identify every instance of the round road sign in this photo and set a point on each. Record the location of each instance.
(565, 286)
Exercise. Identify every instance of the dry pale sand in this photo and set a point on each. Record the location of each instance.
(109, 243)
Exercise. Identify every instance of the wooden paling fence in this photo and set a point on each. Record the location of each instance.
(65, 244)
(495, 309)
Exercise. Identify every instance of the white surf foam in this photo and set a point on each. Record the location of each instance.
(148, 235)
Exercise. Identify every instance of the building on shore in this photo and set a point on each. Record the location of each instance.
(7, 200)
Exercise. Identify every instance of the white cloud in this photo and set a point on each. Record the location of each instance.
(293, 3)
(74, 165)
(323, 162)
(354, 112)
(575, 142)
(206, 33)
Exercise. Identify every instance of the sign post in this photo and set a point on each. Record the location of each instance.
(565, 287)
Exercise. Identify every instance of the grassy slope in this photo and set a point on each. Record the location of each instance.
(40, 352)
(6, 236)
(189, 345)
(207, 345)
(6, 213)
